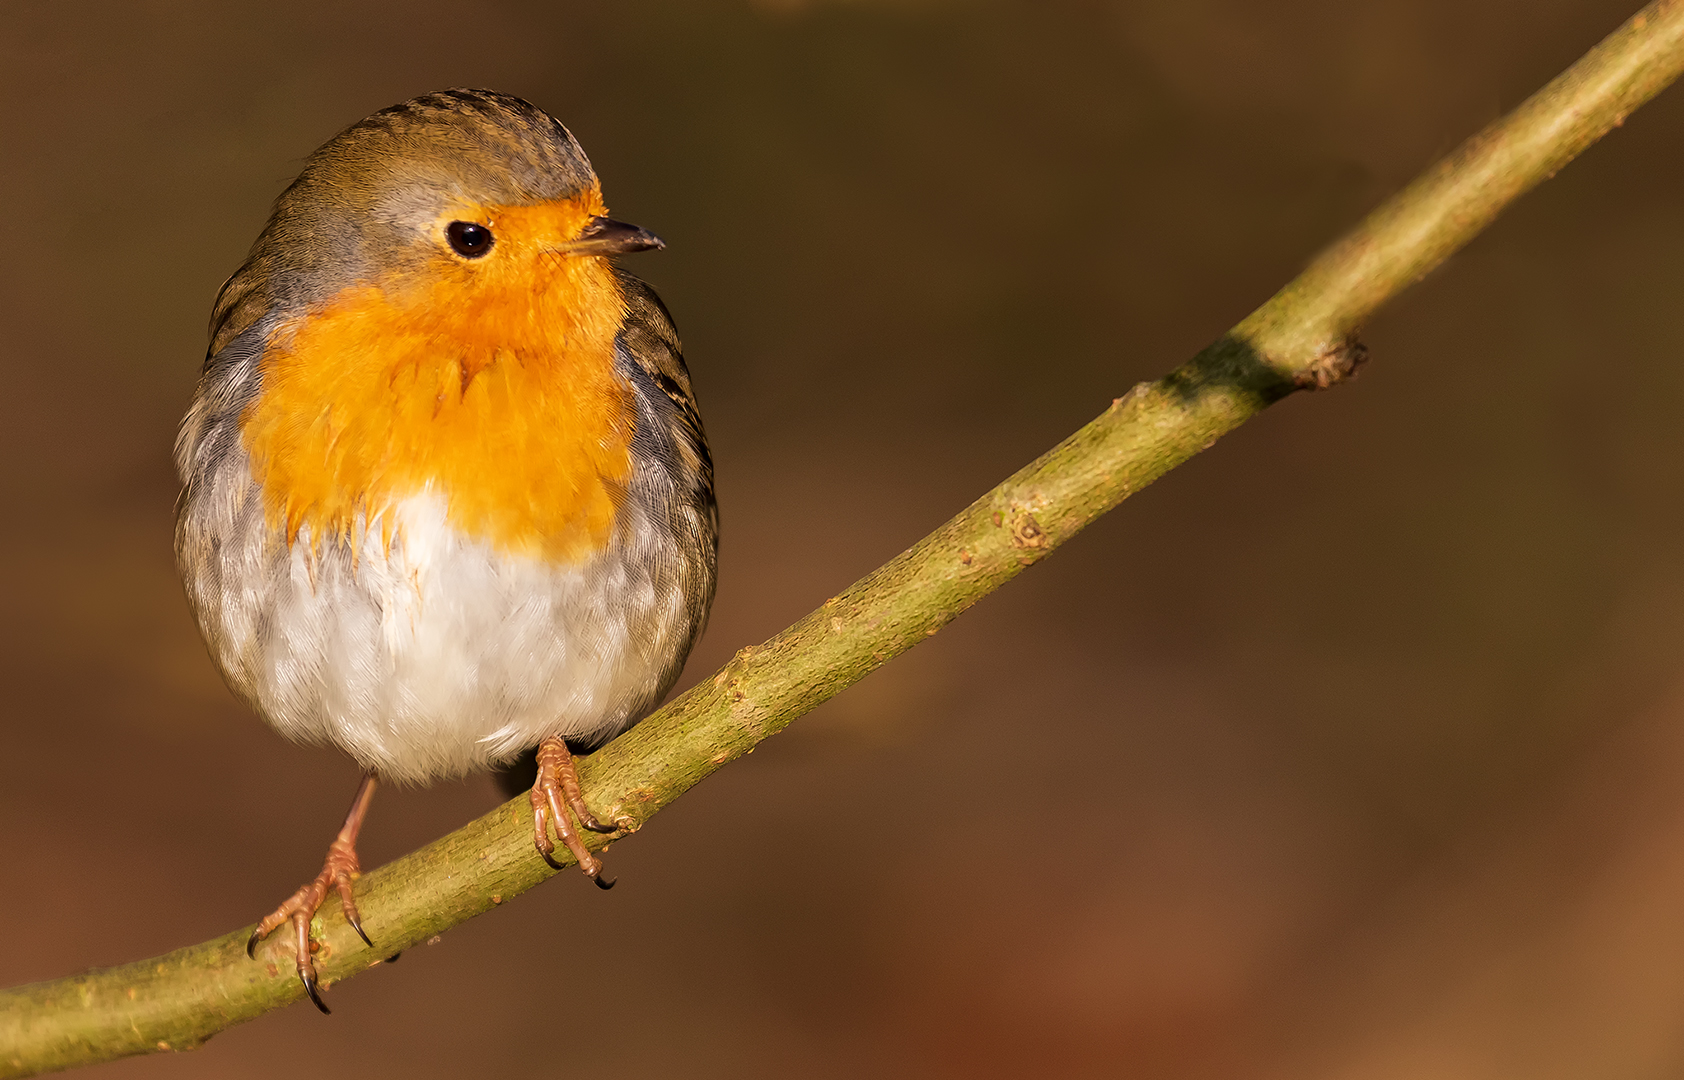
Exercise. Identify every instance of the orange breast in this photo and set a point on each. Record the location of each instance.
(492, 387)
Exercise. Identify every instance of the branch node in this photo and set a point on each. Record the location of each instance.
(1332, 366)
(1027, 532)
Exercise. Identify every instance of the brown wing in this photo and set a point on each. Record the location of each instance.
(649, 336)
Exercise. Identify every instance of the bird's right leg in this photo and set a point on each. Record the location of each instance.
(339, 870)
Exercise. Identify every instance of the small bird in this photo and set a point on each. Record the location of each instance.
(447, 499)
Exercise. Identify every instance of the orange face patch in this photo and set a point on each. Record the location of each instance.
(487, 382)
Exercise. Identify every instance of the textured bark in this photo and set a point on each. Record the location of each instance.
(1303, 338)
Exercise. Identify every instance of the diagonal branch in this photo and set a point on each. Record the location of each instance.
(1302, 338)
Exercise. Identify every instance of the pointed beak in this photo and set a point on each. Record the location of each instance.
(605, 236)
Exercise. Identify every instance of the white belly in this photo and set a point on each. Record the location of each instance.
(439, 656)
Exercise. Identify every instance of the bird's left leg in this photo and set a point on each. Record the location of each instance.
(556, 790)
(339, 869)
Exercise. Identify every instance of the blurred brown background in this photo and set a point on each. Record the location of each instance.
(1355, 748)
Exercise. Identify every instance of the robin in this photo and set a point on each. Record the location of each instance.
(447, 497)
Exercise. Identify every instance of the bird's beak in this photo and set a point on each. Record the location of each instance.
(605, 236)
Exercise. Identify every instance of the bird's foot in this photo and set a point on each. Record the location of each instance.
(339, 870)
(554, 792)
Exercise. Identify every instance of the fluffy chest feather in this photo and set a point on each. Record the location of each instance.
(495, 393)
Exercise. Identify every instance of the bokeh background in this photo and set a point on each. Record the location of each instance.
(1352, 749)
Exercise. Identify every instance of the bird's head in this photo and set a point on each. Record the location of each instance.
(451, 203)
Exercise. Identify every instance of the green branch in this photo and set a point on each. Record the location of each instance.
(1302, 338)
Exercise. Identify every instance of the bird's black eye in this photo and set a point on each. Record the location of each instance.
(468, 239)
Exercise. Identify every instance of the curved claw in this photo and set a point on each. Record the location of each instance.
(309, 982)
(603, 883)
(251, 942)
(351, 917)
(553, 864)
(596, 826)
